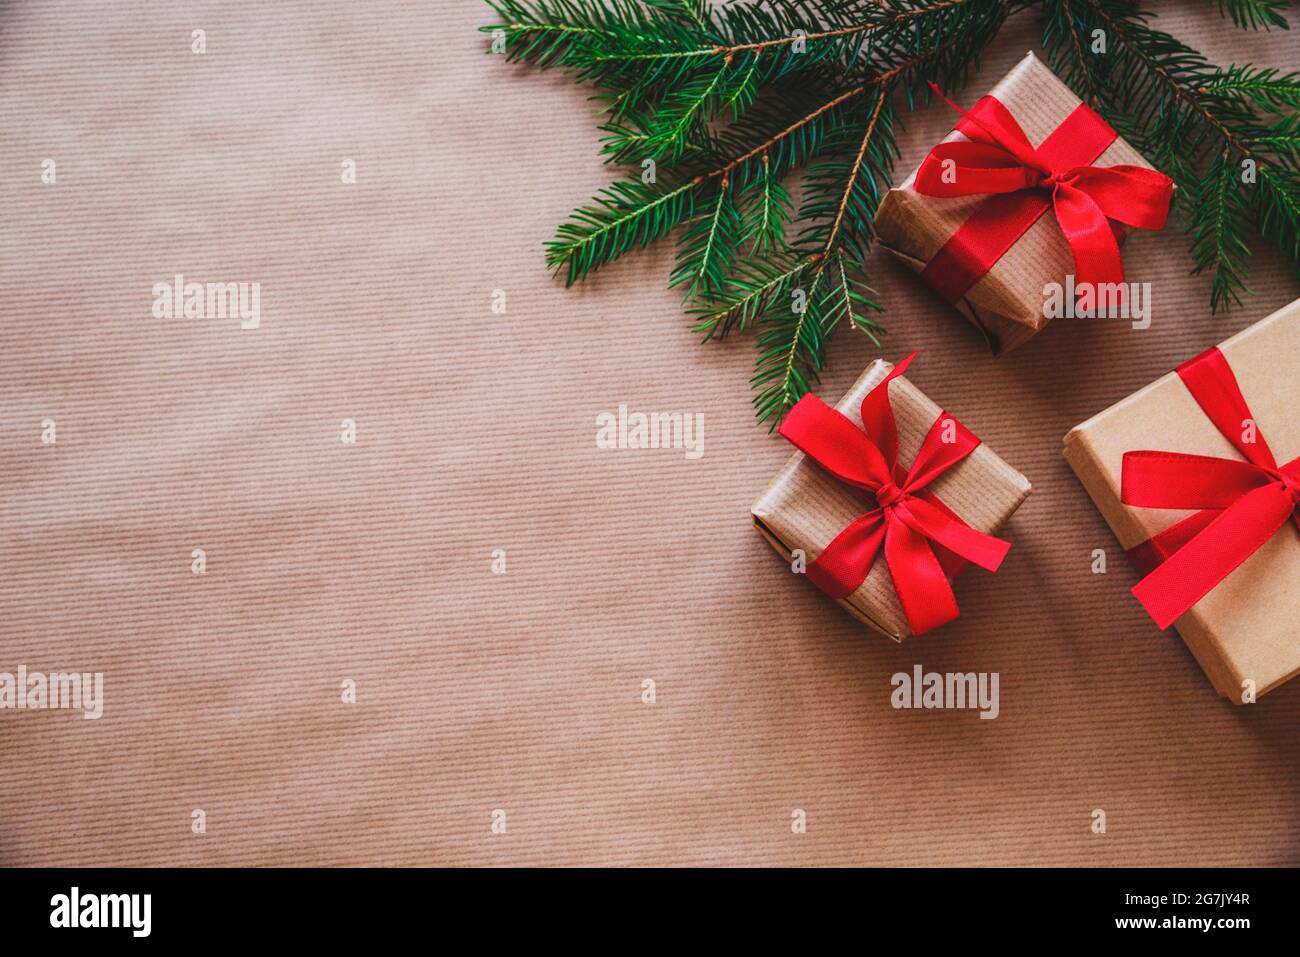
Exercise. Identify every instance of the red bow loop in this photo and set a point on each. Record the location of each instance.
(838, 445)
(907, 522)
(963, 168)
(998, 159)
(1132, 195)
(1242, 504)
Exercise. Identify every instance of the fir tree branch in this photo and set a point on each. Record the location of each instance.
(791, 353)
(764, 148)
(1063, 34)
(792, 346)
(747, 295)
(708, 245)
(1282, 137)
(746, 88)
(1130, 33)
(596, 235)
(684, 113)
(727, 100)
(625, 215)
(1269, 89)
(1216, 244)
(1255, 14)
(849, 297)
(767, 213)
(854, 178)
(1278, 216)
(884, 16)
(693, 11)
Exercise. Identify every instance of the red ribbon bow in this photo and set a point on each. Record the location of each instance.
(1242, 504)
(911, 523)
(998, 158)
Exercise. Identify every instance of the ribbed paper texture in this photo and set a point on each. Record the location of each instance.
(520, 692)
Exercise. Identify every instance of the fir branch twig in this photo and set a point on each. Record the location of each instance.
(718, 103)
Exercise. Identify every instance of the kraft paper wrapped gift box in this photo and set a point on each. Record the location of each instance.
(806, 508)
(1006, 303)
(1245, 632)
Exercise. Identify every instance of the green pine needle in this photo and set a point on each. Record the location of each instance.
(1255, 14)
(1268, 88)
(623, 216)
(748, 293)
(707, 248)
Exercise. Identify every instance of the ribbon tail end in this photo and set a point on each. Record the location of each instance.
(1163, 617)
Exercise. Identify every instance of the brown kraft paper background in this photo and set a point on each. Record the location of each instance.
(1246, 627)
(523, 691)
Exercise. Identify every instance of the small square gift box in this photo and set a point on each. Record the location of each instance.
(887, 499)
(1031, 187)
(1198, 475)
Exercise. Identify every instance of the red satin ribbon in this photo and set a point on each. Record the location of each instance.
(998, 158)
(1242, 504)
(924, 541)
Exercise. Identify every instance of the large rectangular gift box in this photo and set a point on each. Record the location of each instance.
(805, 508)
(1007, 303)
(1245, 632)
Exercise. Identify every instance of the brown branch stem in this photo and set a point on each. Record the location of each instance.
(853, 178)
